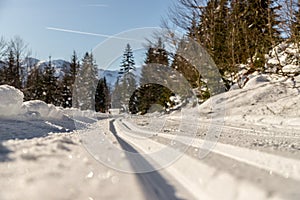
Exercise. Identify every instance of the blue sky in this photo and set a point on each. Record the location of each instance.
(30, 19)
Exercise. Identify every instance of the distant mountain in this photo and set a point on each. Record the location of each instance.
(62, 65)
(59, 65)
(2, 64)
(29, 62)
(112, 76)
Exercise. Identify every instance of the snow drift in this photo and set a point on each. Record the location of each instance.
(11, 105)
(264, 99)
(11, 100)
(39, 108)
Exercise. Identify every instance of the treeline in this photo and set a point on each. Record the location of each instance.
(238, 31)
(234, 33)
(41, 82)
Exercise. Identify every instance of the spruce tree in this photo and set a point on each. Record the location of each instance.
(151, 93)
(157, 54)
(255, 29)
(85, 84)
(50, 85)
(127, 63)
(126, 83)
(295, 25)
(102, 98)
(34, 86)
(67, 83)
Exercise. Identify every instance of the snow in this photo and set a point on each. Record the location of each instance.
(41, 109)
(264, 99)
(113, 75)
(291, 69)
(256, 80)
(59, 65)
(11, 100)
(284, 56)
(42, 149)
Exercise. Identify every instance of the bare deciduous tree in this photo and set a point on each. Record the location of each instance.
(3, 47)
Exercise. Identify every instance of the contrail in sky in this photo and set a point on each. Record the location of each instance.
(92, 34)
(97, 5)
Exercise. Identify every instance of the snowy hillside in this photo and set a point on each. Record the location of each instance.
(265, 99)
(59, 65)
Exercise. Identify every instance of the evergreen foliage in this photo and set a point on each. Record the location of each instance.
(126, 83)
(128, 62)
(50, 93)
(67, 83)
(151, 93)
(102, 98)
(85, 84)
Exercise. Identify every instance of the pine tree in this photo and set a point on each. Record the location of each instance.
(211, 30)
(11, 70)
(11, 74)
(124, 89)
(126, 83)
(74, 66)
(157, 54)
(50, 85)
(192, 75)
(255, 30)
(102, 98)
(67, 83)
(151, 93)
(127, 63)
(34, 86)
(85, 84)
(295, 25)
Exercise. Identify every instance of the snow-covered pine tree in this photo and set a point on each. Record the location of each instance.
(85, 84)
(127, 63)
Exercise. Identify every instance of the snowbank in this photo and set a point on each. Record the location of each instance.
(254, 81)
(264, 99)
(11, 104)
(11, 100)
(39, 108)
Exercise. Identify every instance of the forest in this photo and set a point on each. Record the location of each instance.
(238, 35)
